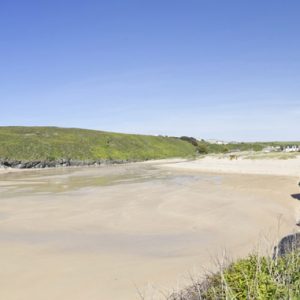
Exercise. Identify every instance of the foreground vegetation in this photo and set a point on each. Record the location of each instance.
(52, 143)
(255, 277)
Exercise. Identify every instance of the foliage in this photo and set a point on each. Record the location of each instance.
(191, 140)
(254, 277)
(50, 143)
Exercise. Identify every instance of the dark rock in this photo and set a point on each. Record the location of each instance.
(14, 163)
(287, 244)
(63, 162)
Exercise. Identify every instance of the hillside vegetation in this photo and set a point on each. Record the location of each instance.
(52, 143)
(205, 147)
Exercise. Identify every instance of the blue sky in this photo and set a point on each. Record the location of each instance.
(207, 68)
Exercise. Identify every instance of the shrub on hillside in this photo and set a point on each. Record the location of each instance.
(190, 140)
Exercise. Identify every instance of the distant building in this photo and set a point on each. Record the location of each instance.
(288, 149)
(293, 148)
(217, 142)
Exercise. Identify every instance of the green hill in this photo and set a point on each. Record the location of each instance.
(52, 143)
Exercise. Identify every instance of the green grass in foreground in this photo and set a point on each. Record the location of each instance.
(51, 143)
(252, 278)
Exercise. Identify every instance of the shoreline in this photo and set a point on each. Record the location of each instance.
(210, 163)
(5, 169)
(213, 163)
(63, 163)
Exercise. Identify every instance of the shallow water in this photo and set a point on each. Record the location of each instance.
(63, 180)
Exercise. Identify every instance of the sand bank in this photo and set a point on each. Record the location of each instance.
(277, 167)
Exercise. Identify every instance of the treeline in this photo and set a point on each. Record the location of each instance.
(204, 147)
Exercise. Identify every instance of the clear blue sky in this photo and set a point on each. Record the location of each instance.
(205, 68)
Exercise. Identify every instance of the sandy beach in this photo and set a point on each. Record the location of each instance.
(114, 232)
(222, 164)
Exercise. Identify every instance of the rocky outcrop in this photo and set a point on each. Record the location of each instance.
(19, 164)
(287, 244)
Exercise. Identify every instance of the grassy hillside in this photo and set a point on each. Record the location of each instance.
(51, 143)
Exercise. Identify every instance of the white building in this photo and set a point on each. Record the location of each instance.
(292, 149)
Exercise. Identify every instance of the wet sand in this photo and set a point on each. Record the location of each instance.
(105, 233)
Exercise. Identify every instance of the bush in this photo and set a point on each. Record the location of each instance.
(252, 278)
